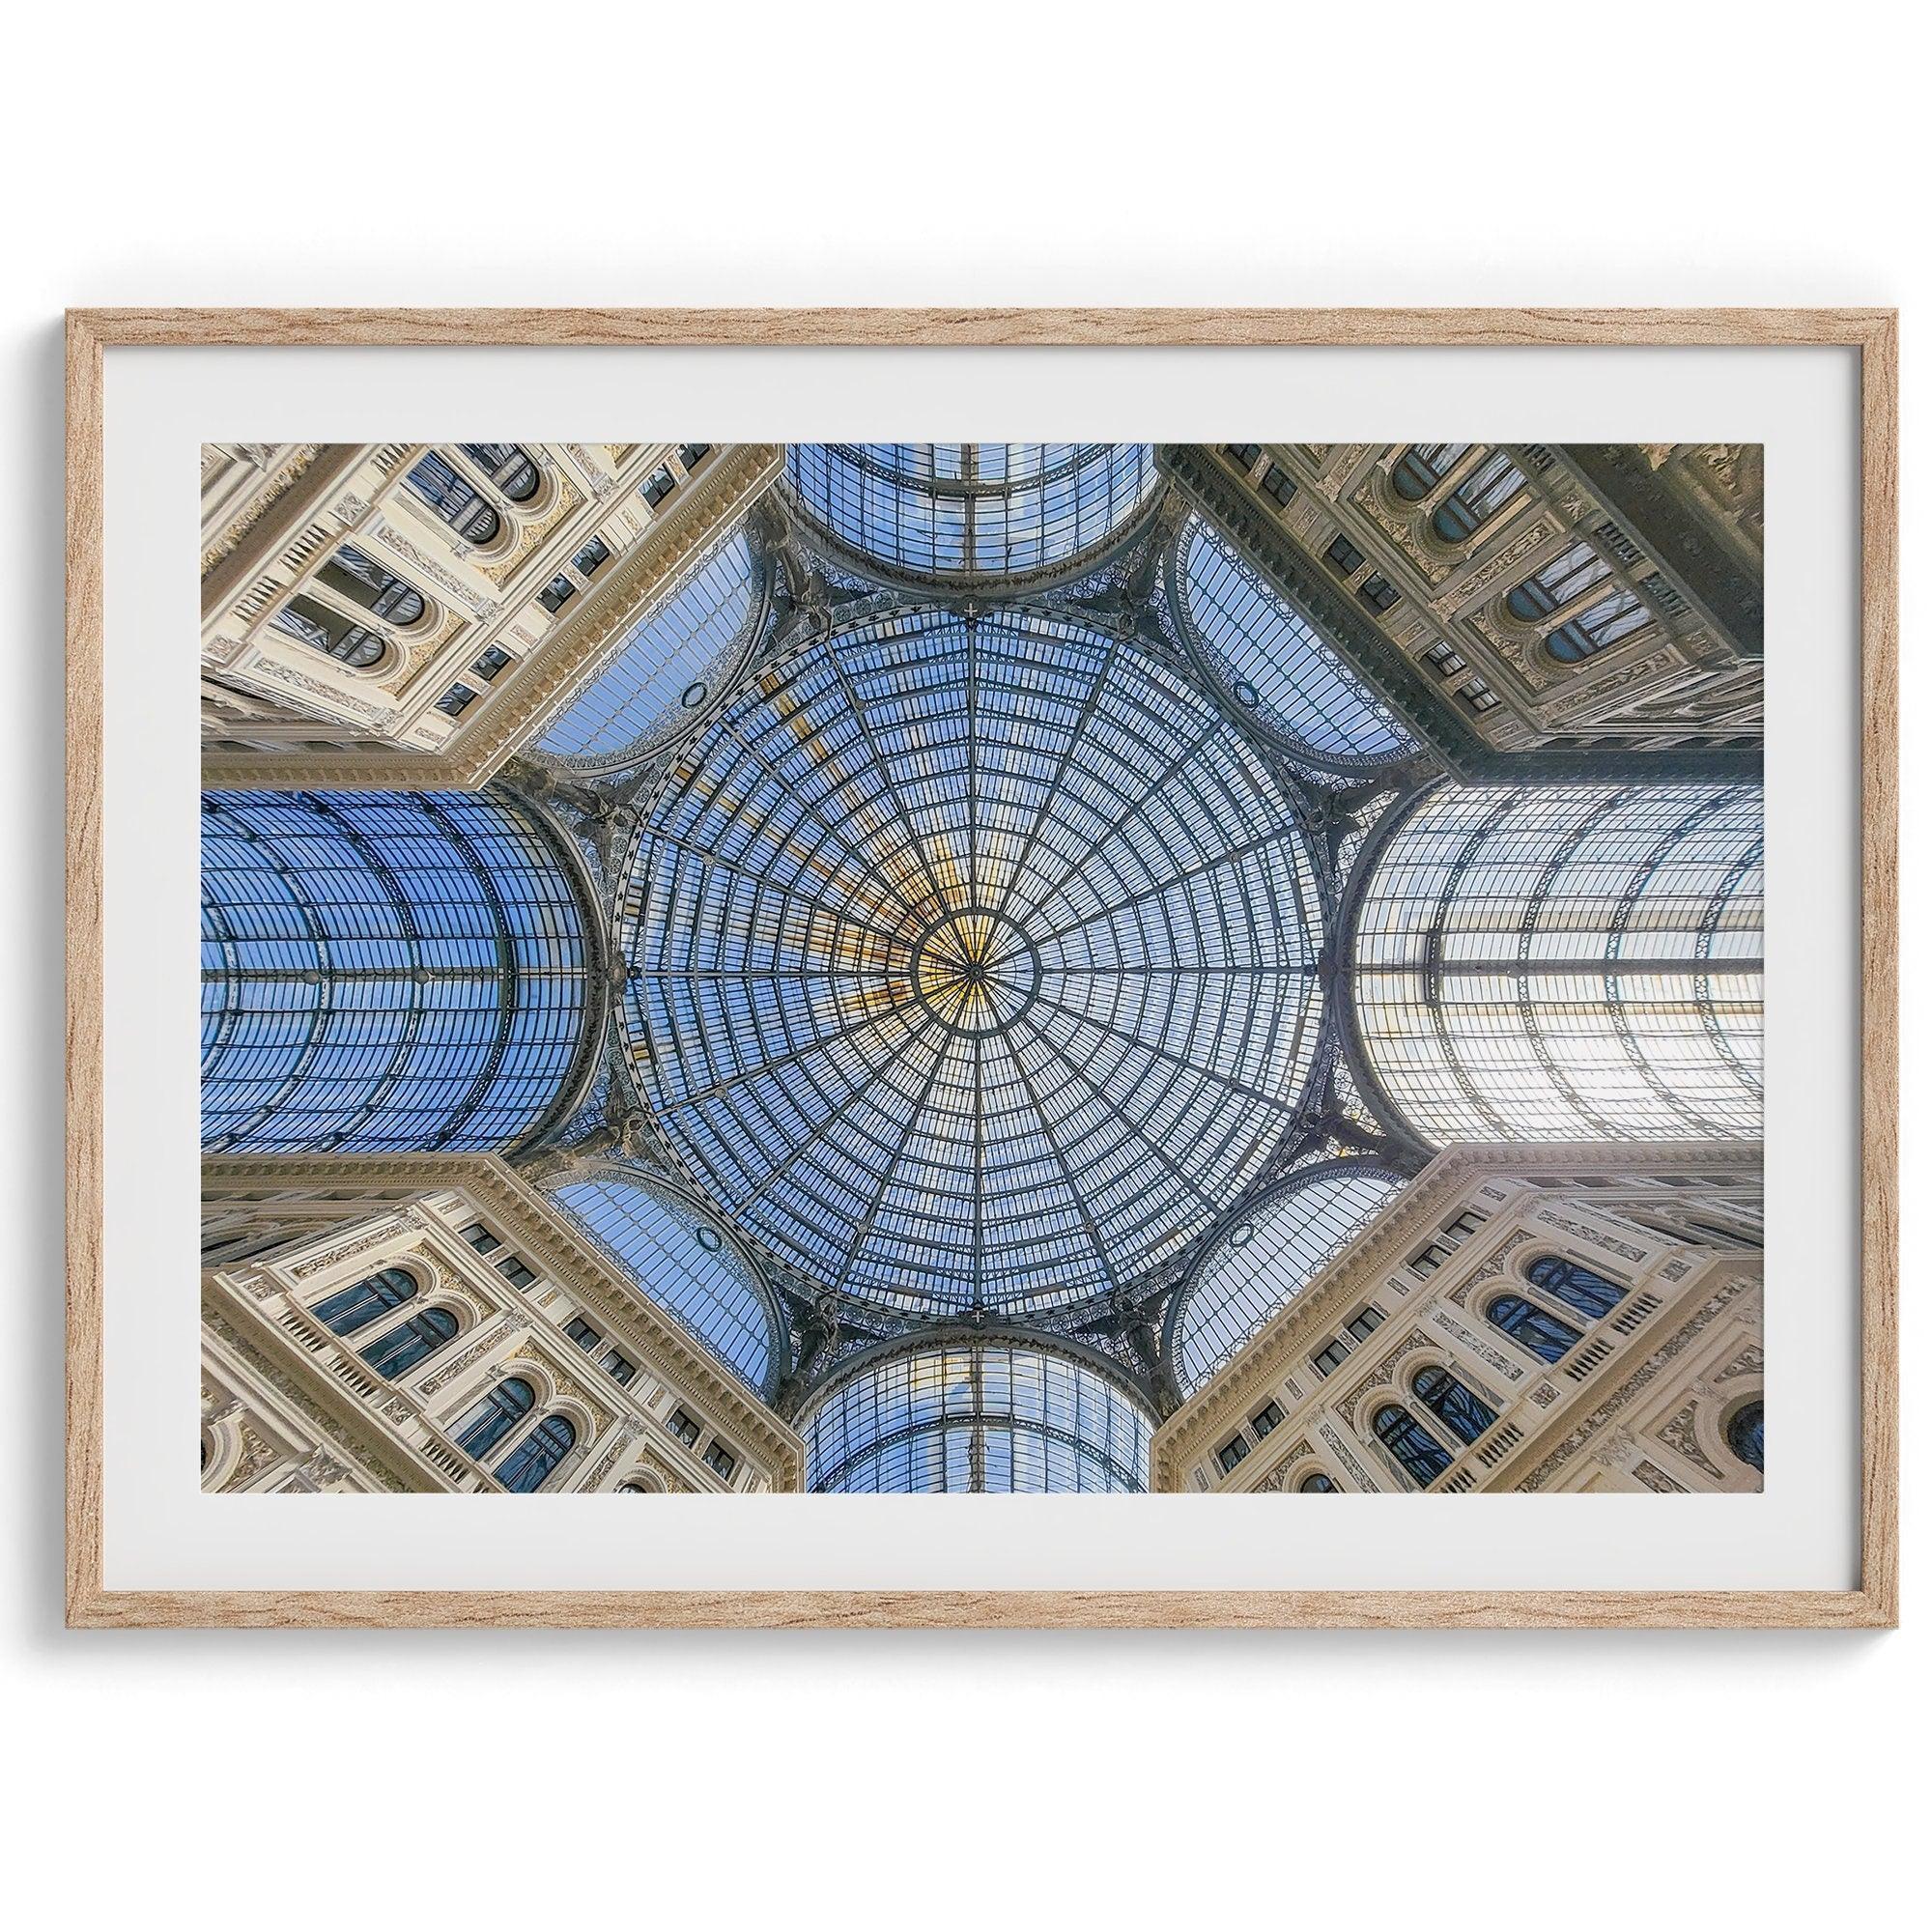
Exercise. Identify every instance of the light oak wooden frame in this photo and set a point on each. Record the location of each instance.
(1872, 333)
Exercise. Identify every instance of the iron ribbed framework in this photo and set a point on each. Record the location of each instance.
(1569, 963)
(972, 1417)
(386, 972)
(971, 512)
(973, 961)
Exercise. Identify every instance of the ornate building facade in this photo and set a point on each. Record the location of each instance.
(943, 966)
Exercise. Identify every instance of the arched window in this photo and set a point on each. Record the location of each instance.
(364, 581)
(403, 1347)
(1603, 622)
(331, 633)
(454, 500)
(1588, 1293)
(1476, 499)
(639, 1489)
(1467, 1415)
(1315, 1485)
(1411, 1445)
(526, 1466)
(1523, 1323)
(509, 466)
(1745, 1434)
(495, 1416)
(349, 1308)
(1422, 466)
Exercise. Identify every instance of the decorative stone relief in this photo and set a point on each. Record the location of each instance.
(1583, 1233)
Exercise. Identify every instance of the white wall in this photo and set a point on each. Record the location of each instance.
(1669, 155)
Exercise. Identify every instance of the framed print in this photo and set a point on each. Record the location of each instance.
(969, 1023)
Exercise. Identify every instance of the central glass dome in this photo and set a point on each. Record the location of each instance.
(972, 961)
(971, 512)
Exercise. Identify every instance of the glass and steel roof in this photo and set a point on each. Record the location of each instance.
(973, 961)
(685, 1264)
(386, 972)
(1260, 1264)
(1273, 662)
(1569, 962)
(977, 1416)
(666, 664)
(972, 511)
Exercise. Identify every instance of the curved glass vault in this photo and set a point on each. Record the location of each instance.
(972, 961)
(686, 1265)
(972, 1417)
(1569, 962)
(1273, 662)
(398, 972)
(972, 511)
(1257, 1266)
(667, 666)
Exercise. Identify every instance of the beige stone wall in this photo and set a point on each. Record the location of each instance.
(1642, 1402)
(278, 711)
(287, 1404)
(1676, 679)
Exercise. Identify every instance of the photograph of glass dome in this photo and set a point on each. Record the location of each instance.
(983, 968)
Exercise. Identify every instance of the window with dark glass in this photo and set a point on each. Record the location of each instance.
(557, 593)
(1584, 1289)
(516, 1272)
(454, 498)
(1269, 1418)
(1332, 1358)
(1316, 1484)
(1523, 1322)
(1378, 593)
(491, 662)
(619, 1368)
(456, 700)
(1466, 1222)
(658, 486)
(1232, 1452)
(1466, 1413)
(582, 1333)
(402, 1348)
(591, 559)
(1429, 1259)
(722, 1459)
(331, 633)
(349, 1308)
(1604, 621)
(534, 1458)
(692, 454)
(1487, 489)
(509, 466)
(1478, 695)
(364, 581)
(683, 1427)
(481, 1238)
(1444, 660)
(1345, 556)
(1745, 1435)
(495, 1416)
(1277, 483)
(1422, 466)
(1366, 1323)
(1422, 1458)
(1245, 455)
